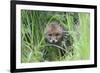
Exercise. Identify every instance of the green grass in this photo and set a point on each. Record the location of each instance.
(33, 45)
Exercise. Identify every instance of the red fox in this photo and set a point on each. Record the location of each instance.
(54, 33)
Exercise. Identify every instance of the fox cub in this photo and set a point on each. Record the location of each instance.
(57, 35)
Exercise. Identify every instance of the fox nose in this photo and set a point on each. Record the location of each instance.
(53, 41)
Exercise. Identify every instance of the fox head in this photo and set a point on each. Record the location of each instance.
(54, 33)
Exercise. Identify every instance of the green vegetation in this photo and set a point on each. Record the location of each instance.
(33, 45)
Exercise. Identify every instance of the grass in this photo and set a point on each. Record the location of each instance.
(33, 45)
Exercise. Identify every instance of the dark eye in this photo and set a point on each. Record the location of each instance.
(57, 34)
(50, 34)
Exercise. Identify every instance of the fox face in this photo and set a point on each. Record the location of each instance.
(54, 33)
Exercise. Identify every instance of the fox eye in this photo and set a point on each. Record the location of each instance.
(57, 34)
(50, 34)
